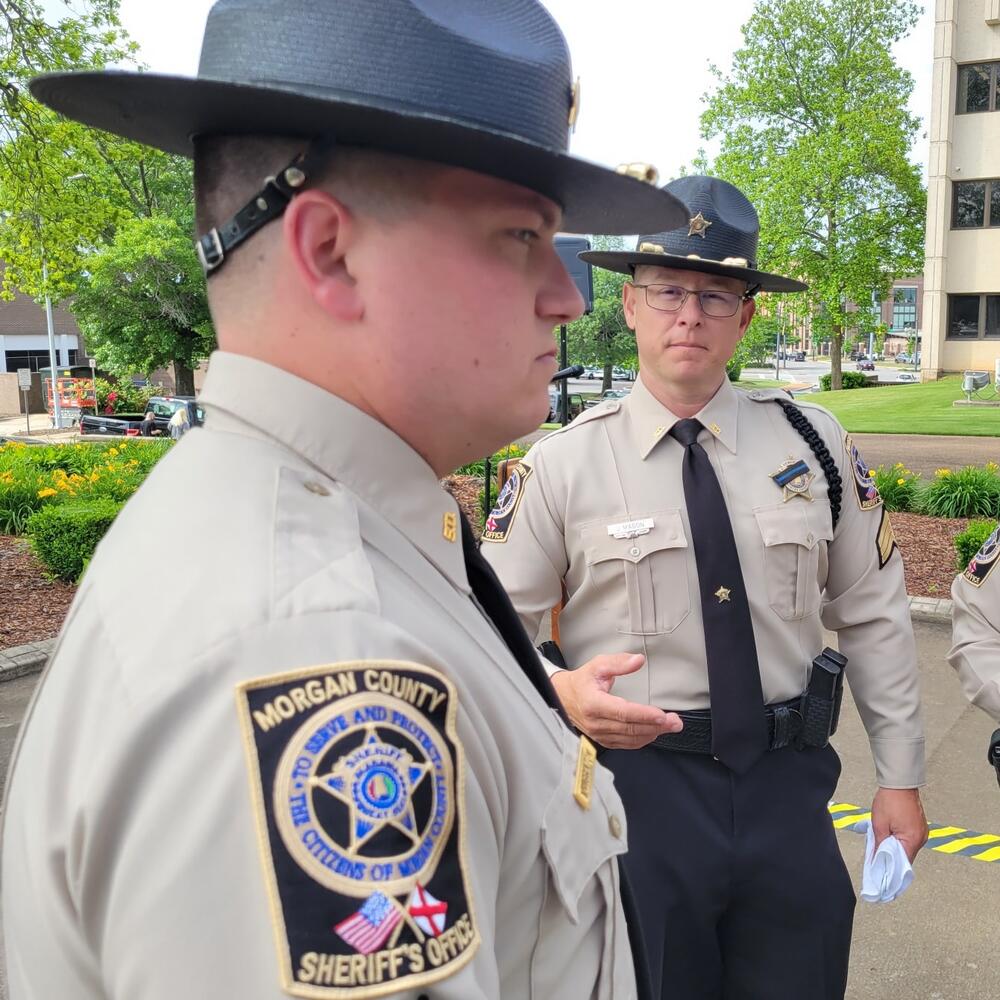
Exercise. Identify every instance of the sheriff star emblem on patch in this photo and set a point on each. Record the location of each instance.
(357, 775)
(698, 226)
(984, 561)
(794, 478)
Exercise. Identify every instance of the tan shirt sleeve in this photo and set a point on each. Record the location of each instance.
(866, 604)
(530, 557)
(975, 651)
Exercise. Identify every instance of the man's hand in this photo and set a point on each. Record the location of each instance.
(611, 721)
(897, 811)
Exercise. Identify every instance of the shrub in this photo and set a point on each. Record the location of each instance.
(898, 487)
(970, 492)
(848, 380)
(477, 468)
(33, 477)
(970, 541)
(65, 535)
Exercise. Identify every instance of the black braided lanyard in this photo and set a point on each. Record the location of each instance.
(835, 486)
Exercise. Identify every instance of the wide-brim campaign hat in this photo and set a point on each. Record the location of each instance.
(719, 236)
(480, 84)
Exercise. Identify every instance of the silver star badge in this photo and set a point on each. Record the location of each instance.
(698, 226)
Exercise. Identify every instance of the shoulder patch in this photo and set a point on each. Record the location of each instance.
(498, 524)
(357, 777)
(864, 482)
(983, 562)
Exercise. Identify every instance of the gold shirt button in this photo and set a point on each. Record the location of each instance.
(318, 488)
(615, 826)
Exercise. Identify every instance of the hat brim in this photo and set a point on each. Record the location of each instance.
(168, 112)
(625, 262)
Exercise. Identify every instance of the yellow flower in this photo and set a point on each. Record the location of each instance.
(47, 492)
(899, 482)
(941, 473)
(871, 472)
(112, 451)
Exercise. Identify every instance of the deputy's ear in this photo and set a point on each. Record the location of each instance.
(319, 234)
(748, 310)
(629, 297)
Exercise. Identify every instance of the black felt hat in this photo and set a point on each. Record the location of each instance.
(481, 84)
(719, 236)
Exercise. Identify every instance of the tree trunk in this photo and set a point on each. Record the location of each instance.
(606, 381)
(836, 353)
(183, 379)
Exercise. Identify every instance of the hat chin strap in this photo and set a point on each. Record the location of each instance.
(265, 206)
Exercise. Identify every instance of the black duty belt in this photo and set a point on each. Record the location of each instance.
(784, 727)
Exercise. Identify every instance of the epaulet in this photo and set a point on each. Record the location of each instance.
(603, 409)
(768, 395)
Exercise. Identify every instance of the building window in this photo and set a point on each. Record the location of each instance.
(904, 309)
(976, 204)
(977, 88)
(27, 359)
(992, 316)
(963, 316)
(973, 317)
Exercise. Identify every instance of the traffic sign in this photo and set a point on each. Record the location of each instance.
(24, 378)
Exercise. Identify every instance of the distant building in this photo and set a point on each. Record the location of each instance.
(902, 314)
(961, 328)
(24, 340)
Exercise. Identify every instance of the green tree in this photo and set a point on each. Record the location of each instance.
(814, 128)
(602, 338)
(143, 304)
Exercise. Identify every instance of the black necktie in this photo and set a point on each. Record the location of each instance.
(739, 727)
(496, 604)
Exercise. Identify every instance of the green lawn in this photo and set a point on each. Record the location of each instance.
(759, 383)
(924, 408)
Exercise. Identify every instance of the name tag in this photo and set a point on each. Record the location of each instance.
(583, 780)
(631, 529)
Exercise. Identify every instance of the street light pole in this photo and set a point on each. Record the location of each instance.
(56, 406)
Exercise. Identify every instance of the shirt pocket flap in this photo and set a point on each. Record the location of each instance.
(665, 532)
(795, 523)
(576, 841)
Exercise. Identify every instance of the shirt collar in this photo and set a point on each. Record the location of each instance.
(344, 444)
(651, 421)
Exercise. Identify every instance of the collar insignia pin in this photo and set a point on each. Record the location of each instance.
(794, 478)
(715, 428)
(450, 526)
(698, 226)
(723, 594)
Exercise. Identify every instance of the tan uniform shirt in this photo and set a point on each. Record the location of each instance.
(602, 510)
(310, 616)
(975, 651)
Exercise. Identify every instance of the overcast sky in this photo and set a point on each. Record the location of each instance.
(643, 66)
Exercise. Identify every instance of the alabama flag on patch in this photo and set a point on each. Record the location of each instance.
(367, 929)
(428, 913)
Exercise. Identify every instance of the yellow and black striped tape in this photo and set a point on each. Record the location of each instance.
(945, 839)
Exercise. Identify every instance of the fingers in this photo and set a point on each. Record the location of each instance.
(607, 666)
(620, 724)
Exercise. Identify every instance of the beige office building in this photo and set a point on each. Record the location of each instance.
(961, 314)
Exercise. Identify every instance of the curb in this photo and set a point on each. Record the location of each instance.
(19, 661)
(930, 609)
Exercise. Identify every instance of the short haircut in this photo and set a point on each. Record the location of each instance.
(230, 169)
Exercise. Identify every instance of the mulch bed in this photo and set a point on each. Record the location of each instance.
(927, 545)
(33, 607)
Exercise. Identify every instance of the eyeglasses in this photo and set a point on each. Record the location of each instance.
(713, 301)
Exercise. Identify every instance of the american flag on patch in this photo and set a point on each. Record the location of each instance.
(366, 930)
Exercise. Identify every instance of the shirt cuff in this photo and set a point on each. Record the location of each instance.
(899, 763)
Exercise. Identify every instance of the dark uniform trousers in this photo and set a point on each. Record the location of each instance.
(748, 869)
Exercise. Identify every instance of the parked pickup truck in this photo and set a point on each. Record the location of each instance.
(127, 424)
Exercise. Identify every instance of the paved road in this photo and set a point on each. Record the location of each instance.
(938, 942)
